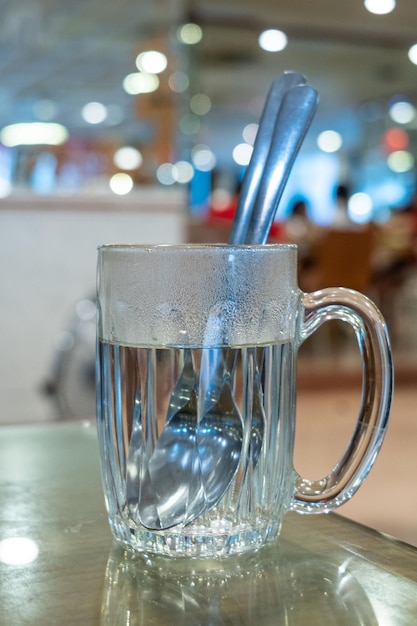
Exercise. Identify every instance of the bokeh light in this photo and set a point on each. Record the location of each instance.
(249, 133)
(121, 184)
(400, 161)
(402, 112)
(94, 112)
(86, 310)
(189, 33)
(203, 158)
(178, 82)
(272, 40)
(140, 82)
(395, 139)
(220, 199)
(412, 54)
(380, 7)
(151, 62)
(242, 153)
(200, 104)
(18, 551)
(127, 158)
(33, 133)
(183, 172)
(360, 208)
(166, 174)
(329, 141)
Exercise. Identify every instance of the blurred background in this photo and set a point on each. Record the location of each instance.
(134, 122)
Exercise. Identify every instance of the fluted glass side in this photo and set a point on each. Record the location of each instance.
(235, 437)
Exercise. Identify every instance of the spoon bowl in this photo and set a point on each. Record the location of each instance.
(180, 482)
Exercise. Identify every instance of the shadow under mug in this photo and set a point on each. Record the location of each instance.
(196, 394)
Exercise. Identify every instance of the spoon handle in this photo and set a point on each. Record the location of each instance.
(295, 114)
(253, 173)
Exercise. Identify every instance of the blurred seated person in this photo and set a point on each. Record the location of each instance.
(397, 242)
(395, 258)
(301, 230)
(341, 217)
(338, 254)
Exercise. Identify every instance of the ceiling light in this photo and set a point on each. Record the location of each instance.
(273, 40)
(400, 161)
(94, 112)
(139, 82)
(412, 54)
(329, 141)
(33, 133)
(189, 33)
(379, 7)
(121, 184)
(402, 112)
(395, 139)
(127, 158)
(165, 174)
(249, 133)
(203, 158)
(183, 172)
(151, 61)
(242, 153)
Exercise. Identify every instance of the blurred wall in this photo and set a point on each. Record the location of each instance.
(48, 263)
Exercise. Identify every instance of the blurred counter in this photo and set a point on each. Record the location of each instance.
(58, 564)
(48, 248)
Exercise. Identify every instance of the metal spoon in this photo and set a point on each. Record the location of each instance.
(254, 171)
(267, 155)
(294, 117)
(196, 461)
(218, 366)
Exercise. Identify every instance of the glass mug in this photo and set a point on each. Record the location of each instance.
(196, 394)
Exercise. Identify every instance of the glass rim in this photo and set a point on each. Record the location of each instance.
(117, 247)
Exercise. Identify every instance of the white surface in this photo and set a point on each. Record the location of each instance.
(48, 263)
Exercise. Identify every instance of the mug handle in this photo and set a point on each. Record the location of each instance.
(350, 471)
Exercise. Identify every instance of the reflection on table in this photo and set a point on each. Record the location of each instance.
(285, 586)
(324, 570)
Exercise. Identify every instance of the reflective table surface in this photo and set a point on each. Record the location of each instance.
(58, 564)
